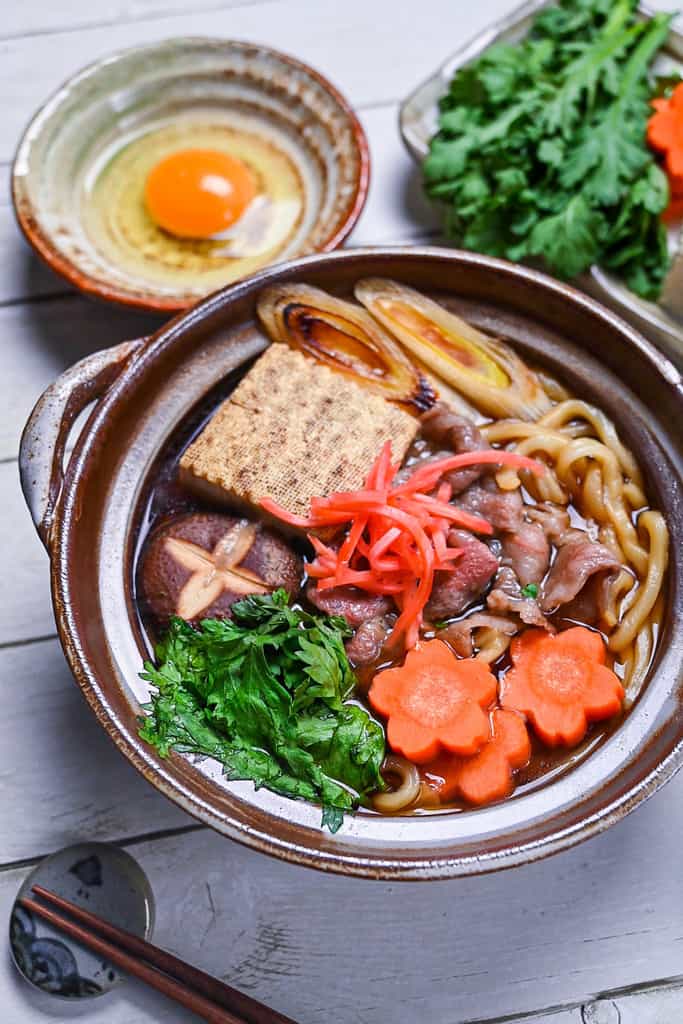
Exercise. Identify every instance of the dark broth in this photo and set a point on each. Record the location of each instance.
(163, 497)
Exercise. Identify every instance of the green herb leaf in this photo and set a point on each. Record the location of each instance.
(333, 818)
(266, 695)
(541, 148)
(530, 590)
(569, 241)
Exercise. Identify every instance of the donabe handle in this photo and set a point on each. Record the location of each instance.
(43, 442)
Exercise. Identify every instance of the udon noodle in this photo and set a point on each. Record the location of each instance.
(404, 794)
(590, 468)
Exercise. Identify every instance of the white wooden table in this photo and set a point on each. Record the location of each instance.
(539, 940)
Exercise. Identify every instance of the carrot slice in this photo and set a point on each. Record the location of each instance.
(326, 518)
(488, 775)
(665, 135)
(444, 492)
(285, 516)
(434, 702)
(363, 581)
(439, 542)
(323, 549)
(319, 570)
(362, 501)
(561, 683)
(387, 564)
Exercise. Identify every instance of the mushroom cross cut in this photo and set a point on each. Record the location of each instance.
(196, 566)
(215, 571)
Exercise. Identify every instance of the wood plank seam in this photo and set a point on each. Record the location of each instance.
(145, 837)
(58, 293)
(207, 8)
(27, 641)
(659, 985)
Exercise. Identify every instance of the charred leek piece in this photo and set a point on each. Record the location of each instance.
(448, 394)
(342, 335)
(483, 369)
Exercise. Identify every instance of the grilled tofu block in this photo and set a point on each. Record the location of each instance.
(293, 429)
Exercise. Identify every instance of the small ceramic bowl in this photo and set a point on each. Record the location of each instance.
(98, 877)
(78, 172)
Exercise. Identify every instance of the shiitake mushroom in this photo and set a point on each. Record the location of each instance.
(198, 565)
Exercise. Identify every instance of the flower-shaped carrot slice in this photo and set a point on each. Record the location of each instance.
(665, 134)
(561, 683)
(435, 702)
(489, 775)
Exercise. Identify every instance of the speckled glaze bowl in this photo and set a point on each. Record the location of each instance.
(88, 516)
(111, 105)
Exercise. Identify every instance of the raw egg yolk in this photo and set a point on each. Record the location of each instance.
(196, 193)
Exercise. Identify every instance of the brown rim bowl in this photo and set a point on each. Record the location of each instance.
(88, 518)
(117, 101)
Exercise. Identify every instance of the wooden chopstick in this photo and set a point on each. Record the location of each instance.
(243, 1006)
(205, 1008)
(141, 959)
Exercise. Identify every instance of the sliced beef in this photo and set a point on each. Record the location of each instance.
(578, 559)
(459, 634)
(444, 426)
(502, 509)
(590, 604)
(554, 519)
(365, 646)
(352, 604)
(455, 590)
(527, 551)
(506, 598)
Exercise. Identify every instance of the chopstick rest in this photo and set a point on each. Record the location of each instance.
(111, 884)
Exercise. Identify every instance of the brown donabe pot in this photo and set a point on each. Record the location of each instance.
(88, 518)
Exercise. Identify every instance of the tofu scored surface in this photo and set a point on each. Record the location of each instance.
(293, 429)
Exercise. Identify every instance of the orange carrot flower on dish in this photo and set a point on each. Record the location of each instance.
(561, 683)
(665, 134)
(435, 702)
(488, 775)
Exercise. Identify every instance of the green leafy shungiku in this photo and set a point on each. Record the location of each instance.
(541, 151)
(266, 693)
